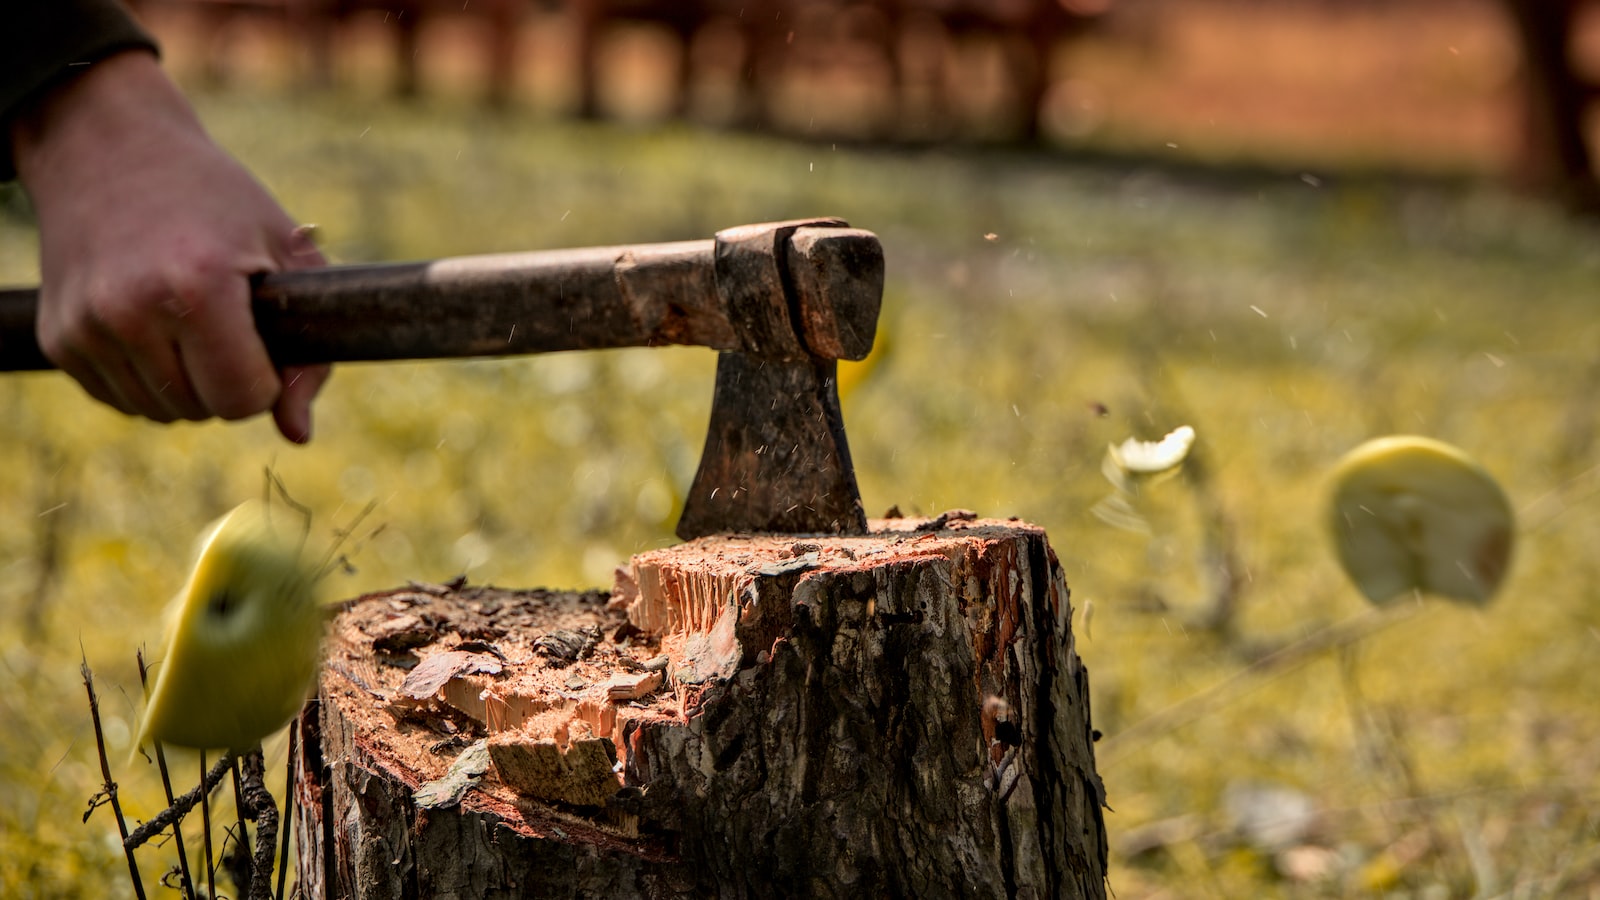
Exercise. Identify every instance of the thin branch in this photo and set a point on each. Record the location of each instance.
(238, 863)
(275, 485)
(334, 560)
(221, 768)
(179, 808)
(262, 809)
(166, 786)
(105, 773)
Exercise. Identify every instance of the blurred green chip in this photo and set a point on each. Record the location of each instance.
(1410, 514)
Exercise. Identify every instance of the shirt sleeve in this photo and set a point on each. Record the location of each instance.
(43, 42)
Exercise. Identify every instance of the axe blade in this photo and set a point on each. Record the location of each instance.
(775, 458)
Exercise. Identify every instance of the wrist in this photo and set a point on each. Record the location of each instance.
(113, 106)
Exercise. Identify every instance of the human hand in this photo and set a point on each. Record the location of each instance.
(149, 233)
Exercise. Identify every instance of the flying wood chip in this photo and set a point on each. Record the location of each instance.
(1411, 514)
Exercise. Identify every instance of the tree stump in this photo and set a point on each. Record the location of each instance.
(896, 714)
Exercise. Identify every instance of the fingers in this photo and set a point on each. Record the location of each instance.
(122, 356)
(153, 386)
(222, 352)
(83, 369)
(292, 412)
(183, 346)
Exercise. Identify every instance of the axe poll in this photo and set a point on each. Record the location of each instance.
(783, 301)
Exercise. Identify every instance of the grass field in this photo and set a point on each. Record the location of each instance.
(1036, 310)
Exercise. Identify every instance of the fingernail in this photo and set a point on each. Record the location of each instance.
(303, 240)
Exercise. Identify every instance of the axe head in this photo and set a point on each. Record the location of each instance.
(801, 295)
(776, 458)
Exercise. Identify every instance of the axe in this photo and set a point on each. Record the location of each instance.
(783, 301)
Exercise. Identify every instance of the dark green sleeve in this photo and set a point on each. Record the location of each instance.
(45, 41)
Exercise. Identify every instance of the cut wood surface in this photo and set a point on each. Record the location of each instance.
(900, 713)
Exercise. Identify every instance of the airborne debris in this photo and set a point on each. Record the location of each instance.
(1410, 513)
(1136, 457)
(1135, 464)
(939, 522)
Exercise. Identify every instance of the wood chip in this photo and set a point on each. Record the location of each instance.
(464, 774)
(631, 687)
(424, 681)
(401, 633)
(802, 563)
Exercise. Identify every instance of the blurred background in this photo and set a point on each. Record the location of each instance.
(1291, 225)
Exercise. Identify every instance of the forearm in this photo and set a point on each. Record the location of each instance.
(45, 43)
(113, 109)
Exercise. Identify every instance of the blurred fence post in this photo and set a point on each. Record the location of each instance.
(1556, 101)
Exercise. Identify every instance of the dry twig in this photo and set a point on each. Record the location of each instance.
(206, 784)
(110, 789)
(259, 806)
(187, 882)
(179, 808)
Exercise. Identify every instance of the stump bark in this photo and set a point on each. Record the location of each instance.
(897, 714)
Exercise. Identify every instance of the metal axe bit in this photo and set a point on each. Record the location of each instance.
(784, 301)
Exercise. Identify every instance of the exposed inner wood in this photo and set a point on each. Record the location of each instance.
(522, 666)
(423, 673)
(631, 722)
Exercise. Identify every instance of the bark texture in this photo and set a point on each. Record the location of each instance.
(896, 714)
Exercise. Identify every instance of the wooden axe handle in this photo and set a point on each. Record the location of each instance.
(538, 302)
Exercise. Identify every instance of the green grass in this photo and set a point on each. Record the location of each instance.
(1456, 751)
